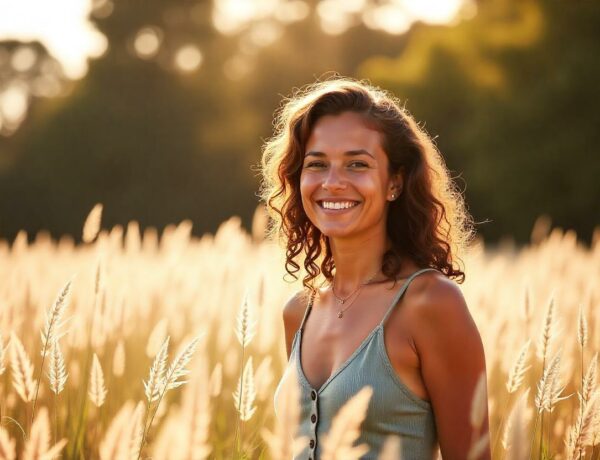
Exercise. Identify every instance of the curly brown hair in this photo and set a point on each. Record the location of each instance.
(428, 222)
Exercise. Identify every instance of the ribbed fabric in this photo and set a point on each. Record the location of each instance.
(393, 409)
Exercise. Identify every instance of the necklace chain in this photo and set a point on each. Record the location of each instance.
(356, 291)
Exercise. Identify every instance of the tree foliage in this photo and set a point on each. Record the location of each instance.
(509, 95)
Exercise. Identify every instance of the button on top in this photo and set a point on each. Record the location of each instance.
(312, 443)
(313, 395)
(313, 418)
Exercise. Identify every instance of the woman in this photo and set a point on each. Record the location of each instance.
(362, 197)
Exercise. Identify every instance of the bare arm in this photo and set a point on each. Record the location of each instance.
(452, 360)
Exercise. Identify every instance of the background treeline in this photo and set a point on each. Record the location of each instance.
(511, 96)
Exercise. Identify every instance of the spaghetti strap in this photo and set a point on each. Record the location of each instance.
(402, 290)
(307, 311)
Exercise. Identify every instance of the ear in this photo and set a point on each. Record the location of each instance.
(396, 184)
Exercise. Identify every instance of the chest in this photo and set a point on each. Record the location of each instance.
(328, 343)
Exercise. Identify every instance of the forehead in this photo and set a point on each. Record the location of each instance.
(344, 132)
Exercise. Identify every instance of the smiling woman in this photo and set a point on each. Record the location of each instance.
(360, 193)
(340, 129)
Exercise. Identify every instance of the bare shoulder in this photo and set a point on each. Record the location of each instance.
(293, 312)
(438, 298)
(441, 313)
(294, 308)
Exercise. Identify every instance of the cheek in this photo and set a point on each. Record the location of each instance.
(369, 185)
(308, 184)
(307, 188)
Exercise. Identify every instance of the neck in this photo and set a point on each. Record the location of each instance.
(357, 261)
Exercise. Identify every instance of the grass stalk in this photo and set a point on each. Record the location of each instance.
(533, 436)
(499, 430)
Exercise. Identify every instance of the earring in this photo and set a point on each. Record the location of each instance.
(393, 196)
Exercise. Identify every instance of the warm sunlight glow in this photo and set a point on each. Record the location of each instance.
(388, 18)
(13, 107)
(391, 16)
(433, 11)
(23, 59)
(147, 41)
(62, 26)
(230, 16)
(354, 6)
(265, 33)
(396, 16)
(233, 16)
(335, 17)
(188, 58)
(292, 11)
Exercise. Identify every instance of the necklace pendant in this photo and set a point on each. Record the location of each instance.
(340, 314)
(342, 301)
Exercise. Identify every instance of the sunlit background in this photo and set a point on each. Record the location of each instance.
(67, 32)
(157, 108)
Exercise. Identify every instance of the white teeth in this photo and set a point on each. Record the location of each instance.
(338, 204)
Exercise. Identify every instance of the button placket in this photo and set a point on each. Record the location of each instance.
(314, 417)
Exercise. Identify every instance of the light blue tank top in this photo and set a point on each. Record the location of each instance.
(393, 408)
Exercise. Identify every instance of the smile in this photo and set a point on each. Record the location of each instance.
(337, 205)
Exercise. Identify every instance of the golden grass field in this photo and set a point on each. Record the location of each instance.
(119, 322)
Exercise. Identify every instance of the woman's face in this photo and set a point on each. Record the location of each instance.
(345, 184)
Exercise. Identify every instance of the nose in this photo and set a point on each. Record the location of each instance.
(333, 180)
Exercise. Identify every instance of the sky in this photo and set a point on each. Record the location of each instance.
(61, 25)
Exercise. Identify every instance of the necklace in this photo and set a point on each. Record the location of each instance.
(356, 291)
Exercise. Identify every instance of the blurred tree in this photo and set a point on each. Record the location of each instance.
(167, 124)
(155, 141)
(135, 134)
(511, 96)
(26, 70)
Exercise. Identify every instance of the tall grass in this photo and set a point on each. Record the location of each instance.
(216, 302)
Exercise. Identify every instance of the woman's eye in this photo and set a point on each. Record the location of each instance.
(321, 164)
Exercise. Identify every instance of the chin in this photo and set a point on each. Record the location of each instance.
(336, 232)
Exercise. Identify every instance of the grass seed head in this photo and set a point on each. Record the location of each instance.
(97, 391)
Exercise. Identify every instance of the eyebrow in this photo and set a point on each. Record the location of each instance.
(350, 153)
